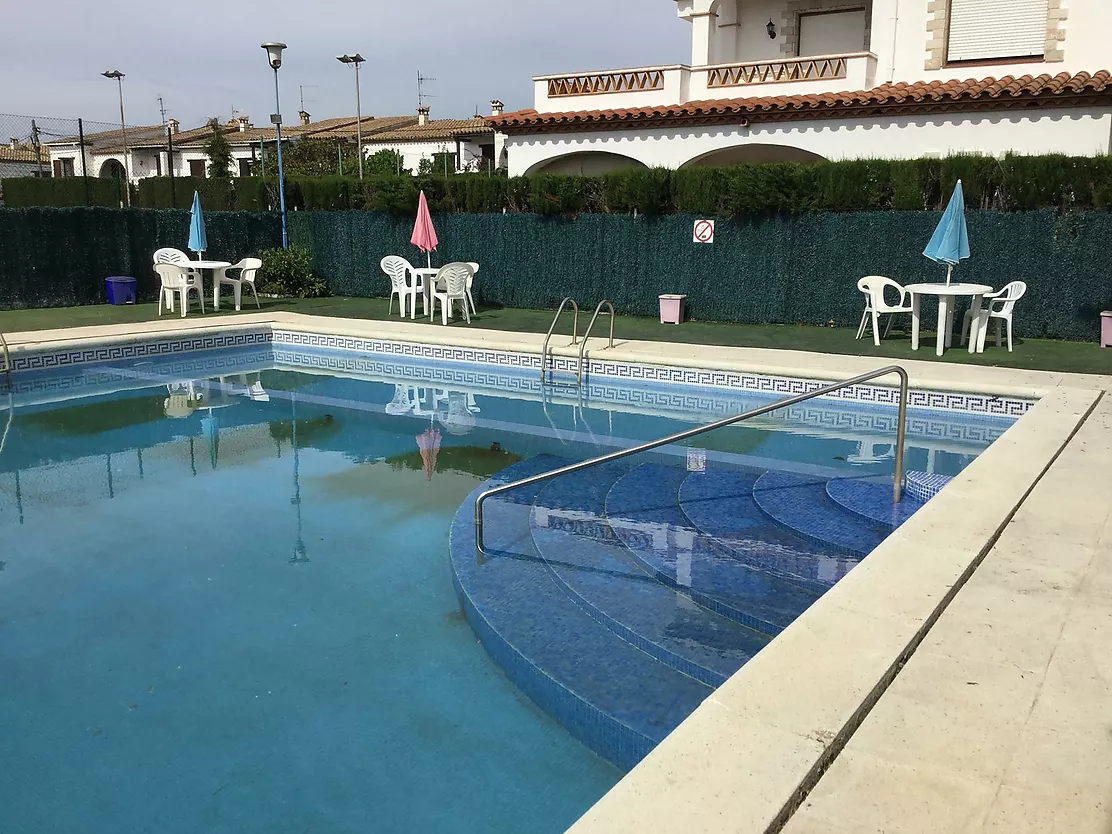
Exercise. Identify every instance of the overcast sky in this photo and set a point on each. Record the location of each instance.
(203, 56)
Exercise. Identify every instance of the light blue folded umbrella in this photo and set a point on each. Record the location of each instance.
(198, 240)
(950, 241)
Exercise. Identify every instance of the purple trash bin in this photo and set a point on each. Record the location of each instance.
(120, 289)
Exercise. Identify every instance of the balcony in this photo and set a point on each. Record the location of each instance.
(679, 83)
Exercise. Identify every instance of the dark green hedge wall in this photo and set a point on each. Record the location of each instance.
(60, 257)
(66, 191)
(779, 268)
(1015, 183)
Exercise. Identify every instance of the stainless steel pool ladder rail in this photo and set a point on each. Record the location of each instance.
(587, 332)
(551, 327)
(5, 360)
(897, 485)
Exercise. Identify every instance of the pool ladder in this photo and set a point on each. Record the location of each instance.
(5, 360)
(546, 353)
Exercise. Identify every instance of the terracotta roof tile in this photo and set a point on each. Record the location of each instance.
(437, 130)
(971, 94)
(23, 153)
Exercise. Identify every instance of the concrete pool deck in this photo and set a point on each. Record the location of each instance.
(954, 681)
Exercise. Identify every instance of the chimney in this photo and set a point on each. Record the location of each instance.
(13, 143)
(244, 123)
(305, 117)
(422, 115)
(173, 124)
(496, 107)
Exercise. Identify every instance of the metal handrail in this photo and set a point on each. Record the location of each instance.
(728, 421)
(587, 332)
(6, 368)
(551, 327)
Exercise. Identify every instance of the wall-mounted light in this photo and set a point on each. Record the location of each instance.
(771, 29)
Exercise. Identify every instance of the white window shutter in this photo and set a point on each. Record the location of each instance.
(987, 29)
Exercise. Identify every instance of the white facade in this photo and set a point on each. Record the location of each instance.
(745, 50)
(468, 154)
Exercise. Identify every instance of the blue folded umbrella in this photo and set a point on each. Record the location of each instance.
(950, 242)
(198, 240)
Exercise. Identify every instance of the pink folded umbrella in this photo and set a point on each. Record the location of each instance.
(424, 235)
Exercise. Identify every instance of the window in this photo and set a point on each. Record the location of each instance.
(158, 165)
(832, 33)
(985, 30)
(197, 168)
(63, 167)
(245, 167)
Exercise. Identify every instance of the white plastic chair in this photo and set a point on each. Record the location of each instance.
(404, 283)
(248, 269)
(176, 280)
(470, 299)
(453, 278)
(169, 255)
(996, 305)
(875, 306)
(405, 399)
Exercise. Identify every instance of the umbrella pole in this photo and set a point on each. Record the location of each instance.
(428, 259)
(949, 272)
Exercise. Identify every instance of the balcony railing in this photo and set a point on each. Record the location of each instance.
(600, 83)
(772, 72)
(679, 83)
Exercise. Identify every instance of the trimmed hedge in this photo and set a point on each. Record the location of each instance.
(20, 192)
(779, 268)
(1015, 183)
(53, 257)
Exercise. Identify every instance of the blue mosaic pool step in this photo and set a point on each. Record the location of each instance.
(587, 558)
(719, 502)
(643, 509)
(924, 485)
(800, 504)
(870, 498)
(613, 696)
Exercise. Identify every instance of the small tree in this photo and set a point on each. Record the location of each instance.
(442, 163)
(218, 151)
(385, 163)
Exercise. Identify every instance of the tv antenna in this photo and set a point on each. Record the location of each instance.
(421, 94)
(162, 109)
(301, 89)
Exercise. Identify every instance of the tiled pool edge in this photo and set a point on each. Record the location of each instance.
(749, 752)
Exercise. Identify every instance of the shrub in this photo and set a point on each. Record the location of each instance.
(290, 272)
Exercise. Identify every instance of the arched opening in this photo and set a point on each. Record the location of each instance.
(586, 163)
(752, 154)
(112, 169)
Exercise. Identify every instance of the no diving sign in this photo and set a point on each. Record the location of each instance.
(704, 231)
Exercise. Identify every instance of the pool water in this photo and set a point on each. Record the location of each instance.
(226, 603)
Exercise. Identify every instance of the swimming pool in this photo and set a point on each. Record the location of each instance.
(227, 601)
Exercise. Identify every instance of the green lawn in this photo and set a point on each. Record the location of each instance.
(1038, 354)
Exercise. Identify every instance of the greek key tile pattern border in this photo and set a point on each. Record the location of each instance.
(1008, 407)
(47, 359)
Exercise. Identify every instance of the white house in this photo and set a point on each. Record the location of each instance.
(19, 159)
(471, 143)
(776, 80)
(157, 150)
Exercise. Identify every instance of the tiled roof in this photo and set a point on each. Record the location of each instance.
(437, 130)
(112, 138)
(1062, 90)
(22, 153)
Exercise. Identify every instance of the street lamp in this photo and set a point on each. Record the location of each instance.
(119, 76)
(356, 59)
(274, 56)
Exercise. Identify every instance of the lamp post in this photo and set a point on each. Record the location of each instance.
(356, 59)
(274, 56)
(119, 76)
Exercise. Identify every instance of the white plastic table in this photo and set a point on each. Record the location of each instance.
(200, 266)
(428, 274)
(946, 294)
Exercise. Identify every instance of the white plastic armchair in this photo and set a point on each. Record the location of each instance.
(470, 298)
(248, 269)
(873, 287)
(405, 283)
(169, 255)
(176, 280)
(997, 305)
(453, 278)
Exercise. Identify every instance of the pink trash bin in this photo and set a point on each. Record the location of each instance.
(1106, 329)
(671, 308)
